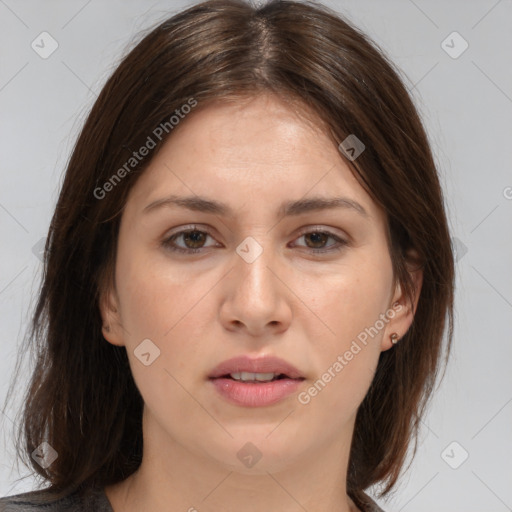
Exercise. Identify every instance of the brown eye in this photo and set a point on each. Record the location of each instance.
(193, 241)
(195, 238)
(316, 241)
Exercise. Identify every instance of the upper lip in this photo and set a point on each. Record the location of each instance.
(264, 364)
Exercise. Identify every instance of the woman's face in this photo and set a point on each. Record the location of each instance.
(313, 287)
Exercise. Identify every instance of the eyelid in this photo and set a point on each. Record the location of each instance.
(185, 229)
(320, 228)
(340, 240)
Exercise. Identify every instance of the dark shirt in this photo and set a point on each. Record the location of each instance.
(95, 500)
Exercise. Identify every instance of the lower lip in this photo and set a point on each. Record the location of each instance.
(251, 394)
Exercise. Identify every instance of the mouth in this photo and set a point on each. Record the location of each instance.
(255, 378)
(259, 382)
(260, 369)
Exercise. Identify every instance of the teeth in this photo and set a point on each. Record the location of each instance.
(247, 376)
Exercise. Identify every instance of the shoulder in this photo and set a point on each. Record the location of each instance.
(92, 499)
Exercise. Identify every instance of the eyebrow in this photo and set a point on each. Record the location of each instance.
(287, 209)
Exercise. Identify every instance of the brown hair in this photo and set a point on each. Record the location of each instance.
(82, 398)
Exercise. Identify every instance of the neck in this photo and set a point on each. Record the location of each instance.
(179, 479)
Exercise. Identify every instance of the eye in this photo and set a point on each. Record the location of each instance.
(193, 239)
(317, 238)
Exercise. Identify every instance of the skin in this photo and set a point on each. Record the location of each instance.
(201, 309)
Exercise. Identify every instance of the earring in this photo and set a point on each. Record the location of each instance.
(394, 338)
(107, 328)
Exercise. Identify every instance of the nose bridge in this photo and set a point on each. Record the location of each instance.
(255, 295)
(254, 259)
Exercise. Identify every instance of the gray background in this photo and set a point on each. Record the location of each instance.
(467, 105)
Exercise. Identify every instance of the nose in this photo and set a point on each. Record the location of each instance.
(256, 298)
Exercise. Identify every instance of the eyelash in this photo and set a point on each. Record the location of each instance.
(168, 242)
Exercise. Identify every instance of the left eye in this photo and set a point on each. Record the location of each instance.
(320, 237)
(194, 240)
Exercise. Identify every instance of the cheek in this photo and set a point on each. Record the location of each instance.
(353, 300)
(144, 300)
(164, 304)
(347, 354)
(158, 305)
(152, 295)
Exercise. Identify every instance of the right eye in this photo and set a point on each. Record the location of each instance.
(193, 239)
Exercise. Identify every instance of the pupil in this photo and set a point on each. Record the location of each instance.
(315, 236)
(196, 237)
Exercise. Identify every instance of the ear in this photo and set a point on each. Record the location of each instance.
(110, 315)
(402, 306)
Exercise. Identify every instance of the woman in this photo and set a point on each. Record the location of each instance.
(248, 275)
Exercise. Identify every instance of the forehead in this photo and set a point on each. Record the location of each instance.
(260, 151)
